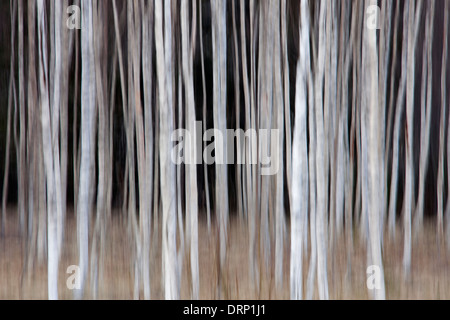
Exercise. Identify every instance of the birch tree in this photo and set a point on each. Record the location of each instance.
(32, 137)
(370, 119)
(299, 206)
(88, 91)
(163, 55)
(425, 116)
(48, 155)
(397, 123)
(187, 57)
(8, 120)
(101, 101)
(219, 49)
(320, 161)
(21, 163)
(147, 66)
(443, 115)
(205, 167)
(413, 24)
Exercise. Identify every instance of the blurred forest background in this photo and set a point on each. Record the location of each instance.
(86, 117)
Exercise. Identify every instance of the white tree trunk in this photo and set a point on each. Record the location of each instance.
(397, 122)
(371, 123)
(87, 118)
(413, 22)
(147, 63)
(22, 166)
(277, 153)
(8, 120)
(192, 202)
(48, 159)
(425, 116)
(164, 73)
(321, 216)
(205, 167)
(299, 206)
(440, 191)
(219, 46)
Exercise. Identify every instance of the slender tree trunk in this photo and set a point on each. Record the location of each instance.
(22, 167)
(320, 163)
(101, 150)
(371, 124)
(265, 108)
(147, 65)
(205, 167)
(48, 159)
(64, 119)
(390, 116)
(277, 147)
(237, 98)
(299, 206)
(75, 140)
(425, 117)
(88, 90)
(8, 120)
(32, 141)
(397, 123)
(413, 24)
(249, 151)
(55, 109)
(192, 203)
(444, 88)
(134, 121)
(219, 41)
(440, 178)
(312, 189)
(287, 103)
(346, 146)
(164, 71)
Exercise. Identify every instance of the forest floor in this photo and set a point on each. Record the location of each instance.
(429, 277)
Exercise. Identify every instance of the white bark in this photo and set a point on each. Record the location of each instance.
(237, 97)
(443, 115)
(64, 119)
(320, 163)
(397, 121)
(32, 138)
(8, 121)
(409, 179)
(391, 112)
(147, 63)
(266, 48)
(299, 206)
(48, 159)
(249, 169)
(87, 118)
(192, 202)
(277, 158)
(219, 29)
(425, 117)
(100, 153)
(205, 167)
(371, 123)
(22, 167)
(287, 104)
(163, 58)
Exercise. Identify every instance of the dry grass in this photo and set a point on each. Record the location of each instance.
(429, 278)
